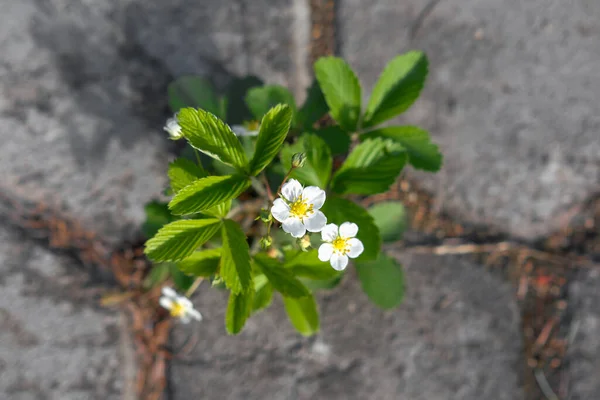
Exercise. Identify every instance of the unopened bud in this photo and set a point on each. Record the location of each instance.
(266, 242)
(274, 253)
(173, 128)
(304, 243)
(265, 215)
(298, 160)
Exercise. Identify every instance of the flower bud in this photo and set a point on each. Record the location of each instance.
(298, 160)
(173, 128)
(265, 215)
(266, 242)
(304, 243)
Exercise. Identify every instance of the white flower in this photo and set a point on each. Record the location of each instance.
(298, 209)
(340, 243)
(179, 306)
(173, 128)
(248, 129)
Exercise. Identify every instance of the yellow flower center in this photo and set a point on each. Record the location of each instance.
(252, 125)
(340, 245)
(177, 310)
(300, 208)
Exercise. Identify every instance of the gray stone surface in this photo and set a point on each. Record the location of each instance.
(54, 341)
(455, 337)
(584, 352)
(513, 98)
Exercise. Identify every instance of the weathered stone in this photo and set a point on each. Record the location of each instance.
(455, 336)
(584, 351)
(512, 97)
(55, 343)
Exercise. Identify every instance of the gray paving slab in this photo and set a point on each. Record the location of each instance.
(513, 98)
(584, 351)
(456, 336)
(55, 343)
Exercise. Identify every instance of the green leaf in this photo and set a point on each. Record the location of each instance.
(382, 280)
(280, 278)
(339, 210)
(398, 87)
(208, 192)
(317, 168)
(210, 135)
(239, 308)
(390, 218)
(314, 285)
(314, 108)
(262, 297)
(158, 274)
(422, 153)
(261, 99)
(157, 215)
(237, 111)
(235, 266)
(201, 263)
(182, 281)
(336, 138)
(180, 239)
(273, 131)
(182, 172)
(341, 89)
(307, 265)
(193, 91)
(303, 314)
(372, 167)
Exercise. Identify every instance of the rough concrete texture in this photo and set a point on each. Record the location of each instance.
(513, 97)
(584, 352)
(456, 336)
(54, 341)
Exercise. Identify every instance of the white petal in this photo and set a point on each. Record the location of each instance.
(348, 229)
(185, 302)
(280, 210)
(325, 252)
(166, 302)
(314, 195)
(356, 248)
(169, 292)
(291, 190)
(316, 222)
(239, 130)
(294, 227)
(195, 314)
(185, 318)
(339, 262)
(329, 233)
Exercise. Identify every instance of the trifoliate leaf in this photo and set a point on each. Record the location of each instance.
(422, 153)
(371, 168)
(317, 167)
(341, 89)
(261, 99)
(180, 239)
(181, 280)
(280, 278)
(235, 266)
(193, 91)
(157, 215)
(382, 280)
(208, 192)
(339, 210)
(390, 218)
(207, 133)
(201, 263)
(307, 265)
(336, 138)
(398, 87)
(273, 131)
(303, 314)
(182, 172)
(262, 297)
(314, 108)
(239, 309)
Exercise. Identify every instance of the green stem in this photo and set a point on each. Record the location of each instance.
(284, 180)
(194, 286)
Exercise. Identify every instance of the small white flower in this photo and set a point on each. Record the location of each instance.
(298, 209)
(173, 128)
(179, 306)
(248, 129)
(340, 243)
